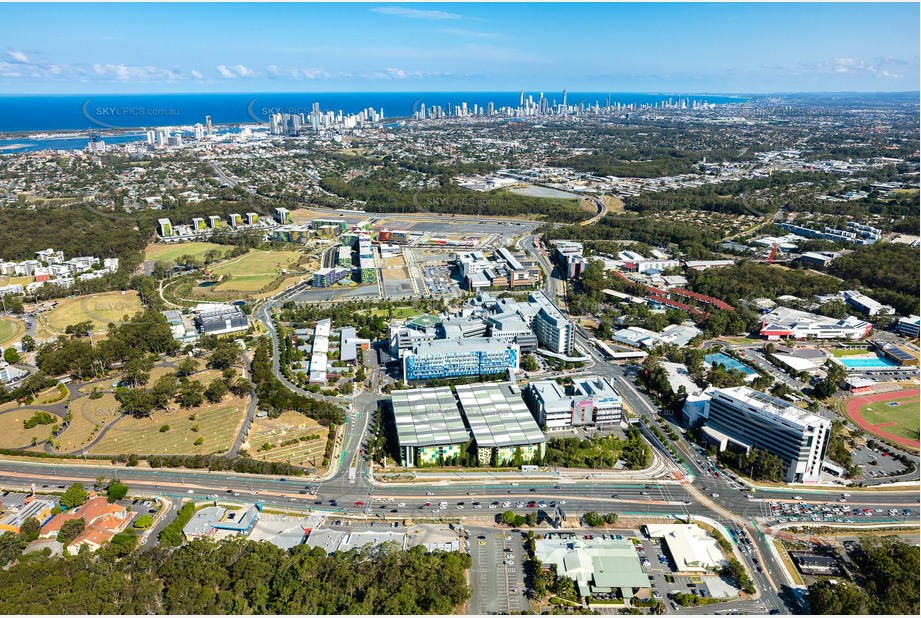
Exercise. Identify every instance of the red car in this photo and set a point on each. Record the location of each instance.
(359, 503)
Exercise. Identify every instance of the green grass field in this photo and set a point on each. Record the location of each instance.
(10, 328)
(398, 313)
(169, 253)
(846, 353)
(98, 308)
(255, 270)
(905, 416)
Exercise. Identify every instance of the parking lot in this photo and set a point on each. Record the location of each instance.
(875, 463)
(438, 281)
(840, 512)
(497, 574)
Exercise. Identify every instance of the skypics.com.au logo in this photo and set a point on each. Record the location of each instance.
(127, 116)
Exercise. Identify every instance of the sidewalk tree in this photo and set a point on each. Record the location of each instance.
(116, 491)
(74, 496)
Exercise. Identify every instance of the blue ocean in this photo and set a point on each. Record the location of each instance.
(35, 114)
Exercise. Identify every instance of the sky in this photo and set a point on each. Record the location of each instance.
(404, 47)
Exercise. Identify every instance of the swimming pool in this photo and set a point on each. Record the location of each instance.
(729, 363)
(867, 363)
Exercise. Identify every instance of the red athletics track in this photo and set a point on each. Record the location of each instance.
(853, 412)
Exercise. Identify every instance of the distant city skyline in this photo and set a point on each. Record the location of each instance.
(400, 47)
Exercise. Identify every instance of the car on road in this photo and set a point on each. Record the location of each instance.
(359, 503)
(191, 491)
(430, 493)
(401, 504)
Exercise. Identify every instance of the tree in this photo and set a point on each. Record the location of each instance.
(593, 519)
(30, 529)
(186, 367)
(74, 496)
(11, 547)
(241, 387)
(191, 394)
(215, 391)
(11, 356)
(137, 402)
(137, 370)
(27, 342)
(164, 389)
(116, 491)
(70, 530)
(224, 355)
(528, 362)
(143, 522)
(842, 599)
(80, 329)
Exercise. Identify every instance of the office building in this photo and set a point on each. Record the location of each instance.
(325, 277)
(38, 508)
(741, 418)
(591, 400)
(283, 216)
(784, 322)
(597, 566)
(429, 426)
(451, 358)
(865, 304)
(164, 228)
(554, 331)
(344, 257)
(502, 427)
(910, 326)
(367, 270)
(252, 218)
(221, 319)
(690, 548)
(235, 220)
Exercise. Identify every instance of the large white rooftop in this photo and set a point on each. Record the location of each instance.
(428, 417)
(498, 416)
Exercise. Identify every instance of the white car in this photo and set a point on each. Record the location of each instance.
(401, 504)
(492, 506)
(191, 491)
(477, 506)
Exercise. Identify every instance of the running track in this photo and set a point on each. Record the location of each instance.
(853, 411)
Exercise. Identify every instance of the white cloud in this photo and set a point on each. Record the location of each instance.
(196, 74)
(242, 71)
(225, 72)
(401, 11)
(397, 73)
(851, 67)
(19, 56)
(475, 34)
